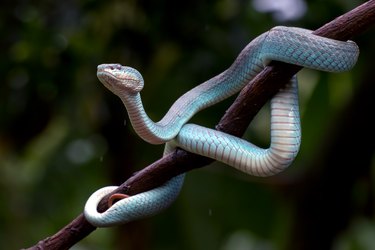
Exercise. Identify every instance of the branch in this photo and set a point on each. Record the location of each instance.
(235, 121)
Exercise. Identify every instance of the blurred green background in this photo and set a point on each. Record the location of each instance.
(63, 135)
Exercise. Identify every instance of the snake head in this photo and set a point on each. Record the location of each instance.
(120, 79)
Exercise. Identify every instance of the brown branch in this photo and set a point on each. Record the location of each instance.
(234, 121)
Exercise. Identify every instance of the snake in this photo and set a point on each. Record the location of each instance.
(291, 45)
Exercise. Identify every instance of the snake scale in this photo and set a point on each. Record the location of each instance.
(287, 44)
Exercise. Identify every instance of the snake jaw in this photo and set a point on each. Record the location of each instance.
(118, 78)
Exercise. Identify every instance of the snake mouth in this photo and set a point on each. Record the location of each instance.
(112, 74)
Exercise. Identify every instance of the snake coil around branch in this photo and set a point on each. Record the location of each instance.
(286, 44)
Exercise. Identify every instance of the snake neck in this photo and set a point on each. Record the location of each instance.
(147, 129)
(214, 90)
(202, 96)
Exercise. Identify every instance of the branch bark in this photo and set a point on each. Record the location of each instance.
(235, 121)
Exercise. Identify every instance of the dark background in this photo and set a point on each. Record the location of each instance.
(63, 135)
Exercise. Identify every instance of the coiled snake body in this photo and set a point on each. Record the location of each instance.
(286, 44)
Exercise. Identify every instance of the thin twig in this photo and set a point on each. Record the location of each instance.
(234, 121)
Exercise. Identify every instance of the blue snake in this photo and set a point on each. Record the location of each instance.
(287, 44)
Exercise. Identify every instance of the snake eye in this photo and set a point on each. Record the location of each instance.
(115, 67)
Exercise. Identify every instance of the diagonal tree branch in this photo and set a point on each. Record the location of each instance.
(235, 121)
